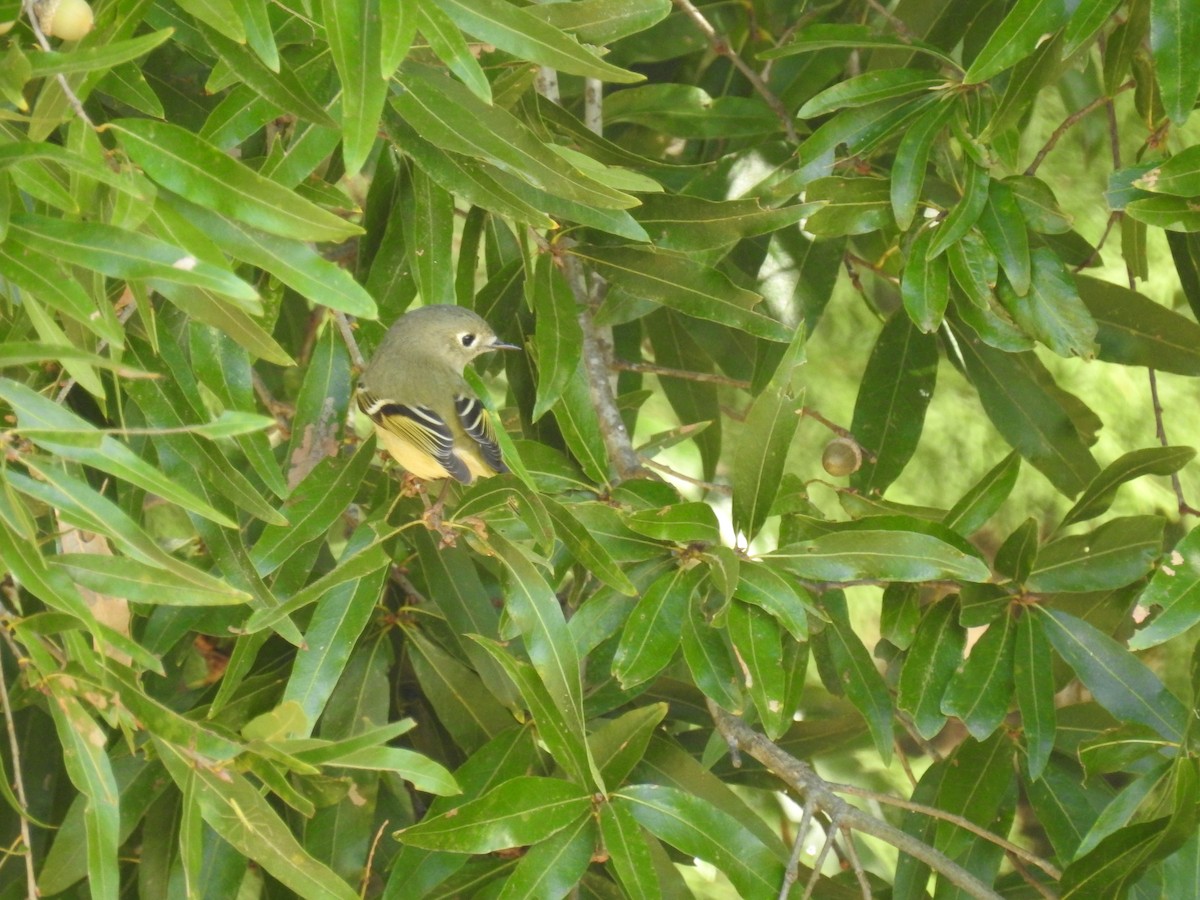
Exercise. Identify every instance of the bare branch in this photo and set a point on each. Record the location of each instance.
(685, 374)
(1160, 431)
(14, 746)
(800, 777)
(721, 46)
(1069, 122)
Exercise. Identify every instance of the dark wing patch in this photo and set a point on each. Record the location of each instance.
(478, 425)
(419, 426)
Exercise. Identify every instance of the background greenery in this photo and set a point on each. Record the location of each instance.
(660, 657)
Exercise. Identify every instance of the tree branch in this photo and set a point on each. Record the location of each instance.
(14, 746)
(721, 46)
(800, 777)
(72, 98)
(1069, 122)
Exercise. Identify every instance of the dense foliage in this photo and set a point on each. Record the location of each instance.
(239, 658)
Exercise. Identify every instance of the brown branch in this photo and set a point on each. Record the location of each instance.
(801, 778)
(1160, 431)
(721, 46)
(347, 332)
(1069, 122)
(685, 374)
(17, 779)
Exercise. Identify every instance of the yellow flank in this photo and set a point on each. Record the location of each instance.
(420, 463)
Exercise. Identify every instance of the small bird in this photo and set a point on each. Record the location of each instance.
(425, 414)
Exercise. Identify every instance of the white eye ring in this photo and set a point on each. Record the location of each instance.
(467, 339)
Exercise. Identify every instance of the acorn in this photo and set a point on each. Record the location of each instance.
(842, 456)
(66, 19)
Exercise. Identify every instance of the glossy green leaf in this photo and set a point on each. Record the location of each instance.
(681, 523)
(1033, 676)
(756, 637)
(935, 654)
(1100, 493)
(1120, 682)
(558, 338)
(893, 395)
(1038, 205)
(845, 662)
(925, 284)
(198, 171)
(1085, 21)
(92, 58)
(1003, 227)
(912, 157)
(585, 548)
(851, 37)
(515, 31)
(1051, 310)
(965, 213)
(880, 84)
(1116, 554)
(520, 811)
(1173, 594)
(979, 694)
(985, 497)
(351, 27)
(691, 224)
(699, 829)
(879, 554)
(975, 269)
(677, 282)
(122, 577)
(580, 426)
(976, 785)
(652, 634)
(1030, 412)
(852, 206)
(759, 584)
(123, 254)
(1016, 556)
(1023, 29)
(629, 854)
(1185, 251)
(1136, 331)
(688, 111)
(463, 704)
(601, 22)
(1174, 34)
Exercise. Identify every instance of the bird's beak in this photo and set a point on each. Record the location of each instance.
(500, 345)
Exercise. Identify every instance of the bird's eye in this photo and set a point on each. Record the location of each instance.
(468, 339)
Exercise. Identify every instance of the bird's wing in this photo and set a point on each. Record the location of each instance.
(477, 424)
(418, 426)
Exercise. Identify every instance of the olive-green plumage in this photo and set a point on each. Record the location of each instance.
(425, 414)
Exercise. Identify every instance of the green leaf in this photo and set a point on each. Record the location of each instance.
(1085, 21)
(882, 554)
(977, 782)
(235, 810)
(449, 116)
(1051, 310)
(106, 454)
(689, 111)
(629, 854)
(1016, 556)
(1116, 554)
(178, 159)
(1136, 331)
(463, 704)
(707, 656)
(620, 744)
(691, 224)
(535, 610)
(1003, 226)
(1038, 205)
(558, 338)
(1172, 594)
(975, 269)
(1029, 410)
(123, 254)
(1099, 495)
(352, 29)
(766, 438)
(88, 59)
(1023, 30)
(679, 283)
(925, 284)
(584, 547)
(556, 865)
(1185, 251)
(985, 497)
(525, 36)
(935, 654)
(789, 603)
(219, 14)
(893, 395)
(681, 523)
(1033, 675)
(844, 661)
(1120, 682)
(651, 635)
(979, 694)
(850, 37)
(912, 158)
(879, 84)
(283, 89)
(965, 213)
(522, 810)
(118, 576)
(756, 637)
(449, 44)
(1174, 35)
(697, 828)
(601, 22)
(852, 206)
(580, 426)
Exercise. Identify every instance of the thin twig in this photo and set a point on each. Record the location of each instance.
(622, 365)
(856, 864)
(1069, 122)
(965, 824)
(68, 92)
(1113, 218)
(815, 875)
(810, 413)
(791, 873)
(721, 46)
(1160, 431)
(898, 25)
(347, 332)
(366, 878)
(800, 777)
(18, 782)
(723, 489)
